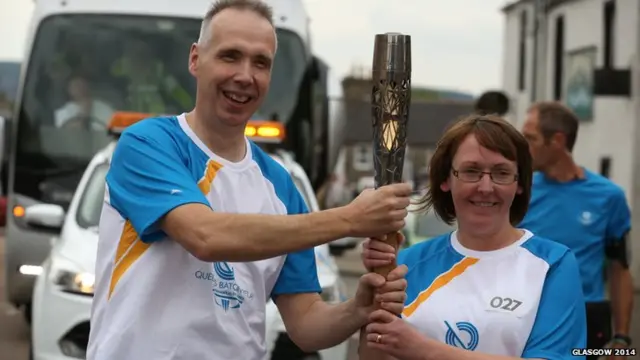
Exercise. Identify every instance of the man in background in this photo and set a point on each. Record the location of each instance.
(586, 212)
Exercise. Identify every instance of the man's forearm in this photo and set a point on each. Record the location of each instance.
(251, 237)
(621, 289)
(325, 325)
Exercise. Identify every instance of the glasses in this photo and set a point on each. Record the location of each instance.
(501, 177)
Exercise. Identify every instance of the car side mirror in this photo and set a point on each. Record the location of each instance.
(49, 216)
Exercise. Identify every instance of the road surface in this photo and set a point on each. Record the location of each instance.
(14, 333)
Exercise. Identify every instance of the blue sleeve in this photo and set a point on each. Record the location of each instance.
(299, 273)
(147, 179)
(560, 323)
(413, 258)
(620, 217)
(410, 291)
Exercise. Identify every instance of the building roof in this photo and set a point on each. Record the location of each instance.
(427, 121)
(512, 4)
(546, 5)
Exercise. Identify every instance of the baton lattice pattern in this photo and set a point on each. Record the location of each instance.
(390, 101)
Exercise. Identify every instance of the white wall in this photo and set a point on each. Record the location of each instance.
(612, 132)
(15, 16)
(519, 100)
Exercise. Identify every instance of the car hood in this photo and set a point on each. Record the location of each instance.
(80, 246)
(327, 268)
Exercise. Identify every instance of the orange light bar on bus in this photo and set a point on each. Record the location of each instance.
(265, 131)
(122, 119)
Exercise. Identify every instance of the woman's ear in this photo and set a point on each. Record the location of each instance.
(445, 186)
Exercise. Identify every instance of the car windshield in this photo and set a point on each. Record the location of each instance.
(90, 205)
(428, 225)
(83, 68)
(9, 77)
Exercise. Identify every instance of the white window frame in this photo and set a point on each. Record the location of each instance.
(362, 157)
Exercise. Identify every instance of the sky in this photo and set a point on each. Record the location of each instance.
(456, 44)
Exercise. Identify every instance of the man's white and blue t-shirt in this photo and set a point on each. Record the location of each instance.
(524, 300)
(153, 299)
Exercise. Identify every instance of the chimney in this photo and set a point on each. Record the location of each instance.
(357, 85)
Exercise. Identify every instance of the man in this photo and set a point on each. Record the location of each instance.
(149, 83)
(586, 212)
(193, 234)
(83, 110)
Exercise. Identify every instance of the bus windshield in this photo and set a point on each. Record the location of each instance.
(83, 68)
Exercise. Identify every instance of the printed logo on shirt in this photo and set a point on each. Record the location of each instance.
(586, 218)
(228, 294)
(464, 335)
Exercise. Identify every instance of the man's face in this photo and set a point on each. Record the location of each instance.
(233, 69)
(78, 89)
(541, 151)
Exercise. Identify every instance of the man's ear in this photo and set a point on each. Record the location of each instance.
(194, 55)
(559, 140)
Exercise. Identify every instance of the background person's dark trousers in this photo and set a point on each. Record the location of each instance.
(598, 326)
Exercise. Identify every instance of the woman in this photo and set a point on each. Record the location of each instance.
(487, 290)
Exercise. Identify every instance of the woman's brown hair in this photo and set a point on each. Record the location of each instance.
(493, 133)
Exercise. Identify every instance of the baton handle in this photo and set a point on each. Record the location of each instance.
(392, 239)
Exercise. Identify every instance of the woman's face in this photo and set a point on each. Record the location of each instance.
(481, 205)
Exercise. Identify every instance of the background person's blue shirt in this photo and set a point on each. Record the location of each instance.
(583, 214)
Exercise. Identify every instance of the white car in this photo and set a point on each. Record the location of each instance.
(423, 225)
(63, 291)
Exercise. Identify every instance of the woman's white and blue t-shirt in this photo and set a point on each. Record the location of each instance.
(524, 300)
(153, 299)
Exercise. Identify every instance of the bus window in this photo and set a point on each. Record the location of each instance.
(9, 77)
(85, 67)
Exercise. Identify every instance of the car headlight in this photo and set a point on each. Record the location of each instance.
(68, 277)
(75, 282)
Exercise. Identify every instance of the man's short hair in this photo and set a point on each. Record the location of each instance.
(257, 6)
(493, 133)
(492, 103)
(554, 117)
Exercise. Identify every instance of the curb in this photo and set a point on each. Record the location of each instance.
(351, 272)
(350, 266)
